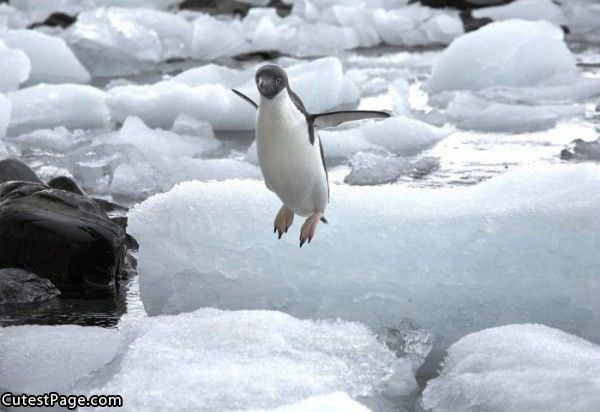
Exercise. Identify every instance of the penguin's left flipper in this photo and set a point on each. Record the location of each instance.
(332, 119)
(246, 98)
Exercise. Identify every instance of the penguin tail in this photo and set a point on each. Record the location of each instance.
(324, 220)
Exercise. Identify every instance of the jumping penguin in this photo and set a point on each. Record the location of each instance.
(290, 152)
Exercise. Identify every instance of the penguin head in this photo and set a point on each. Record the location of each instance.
(270, 80)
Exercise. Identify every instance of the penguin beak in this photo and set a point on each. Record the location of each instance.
(265, 86)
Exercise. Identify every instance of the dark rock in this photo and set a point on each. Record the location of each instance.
(20, 286)
(56, 19)
(471, 23)
(12, 169)
(59, 235)
(463, 4)
(232, 7)
(66, 183)
(582, 150)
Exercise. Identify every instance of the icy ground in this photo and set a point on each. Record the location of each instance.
(470, 229)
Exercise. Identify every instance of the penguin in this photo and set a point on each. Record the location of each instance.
(290, 152)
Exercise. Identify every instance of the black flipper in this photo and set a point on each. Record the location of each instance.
(331, 119)
(246, 98)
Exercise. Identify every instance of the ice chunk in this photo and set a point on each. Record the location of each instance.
(320, 83)
(417, 25)
(524, 9)
(231, 38)
(507, 53)
(154, 143)
(51, 59)
(70, 105)
(469, 111)
(14, 66)
(398, 135)
(12, 18)
(5, 111)
(583, 16)
(582, 150)
(40, 359)
(213, 360)
(115, 41)
(517, 368)
(38, 11)
(334, 402)
(376, 169)
(517, 241)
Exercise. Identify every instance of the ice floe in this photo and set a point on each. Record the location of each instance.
(430, 255)
(5, 111)
(45, 106)
(320, 83)
(39, 359)
(517, 368)
(15, 67)
(506, 53)
(51, 59)
(250, 360)
(114, 41)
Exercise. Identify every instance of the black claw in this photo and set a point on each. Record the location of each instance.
(274, 229)
(280, 234)
(309, 239)
(287, 227)
(302, 242)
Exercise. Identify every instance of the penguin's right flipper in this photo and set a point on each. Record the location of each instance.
(246, 98)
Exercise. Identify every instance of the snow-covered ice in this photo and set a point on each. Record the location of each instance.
(506, 53)
(430, 255)
(523, 367)
(205, 95)
(45, 106)
(39, 359)
(14, 66)
(250, 360)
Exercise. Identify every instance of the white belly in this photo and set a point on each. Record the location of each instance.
(291, 166)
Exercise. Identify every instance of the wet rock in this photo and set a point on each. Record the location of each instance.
(56, 19)
(66, 183)
(59, 235)
(582, 150)
(11, 169)
(20, 286)
(471, 23)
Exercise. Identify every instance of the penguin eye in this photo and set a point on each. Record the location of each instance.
(278, 81)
